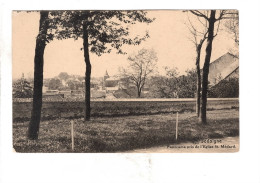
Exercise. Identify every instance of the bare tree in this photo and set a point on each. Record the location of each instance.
(198, 38)
(211, 19)
(140, 67)
(232, 26)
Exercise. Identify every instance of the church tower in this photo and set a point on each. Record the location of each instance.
(106, 76)
(104, 80)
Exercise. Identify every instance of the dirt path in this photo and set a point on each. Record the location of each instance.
(225, 145)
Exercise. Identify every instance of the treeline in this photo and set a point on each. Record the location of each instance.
(64, 81)
(174, 85)
(170, 86)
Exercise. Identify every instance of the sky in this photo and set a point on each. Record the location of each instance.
(169, 37)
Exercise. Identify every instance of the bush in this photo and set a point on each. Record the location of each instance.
(22, 89)
(225, 89)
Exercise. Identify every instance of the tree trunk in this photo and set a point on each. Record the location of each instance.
(206, 67)
(198, 80)
(139, 93)
(139, 90)
(198, 93)
(88, 72)
(34, 124)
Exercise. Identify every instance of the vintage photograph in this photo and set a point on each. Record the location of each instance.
(125, 81)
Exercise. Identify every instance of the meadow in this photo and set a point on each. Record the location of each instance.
(122, 133)
(71, 109)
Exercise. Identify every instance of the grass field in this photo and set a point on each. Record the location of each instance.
(116, 108)
(115, 134)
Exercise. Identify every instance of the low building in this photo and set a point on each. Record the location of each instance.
(66, 93)
(98, 94)
(112, 84)
(51, 92)
(77, 93)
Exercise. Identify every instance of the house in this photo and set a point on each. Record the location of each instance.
(225, 67)
(98, 94)
(66, 93)
(112, 84)
(77, 93)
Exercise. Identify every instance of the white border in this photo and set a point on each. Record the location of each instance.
(243, 166)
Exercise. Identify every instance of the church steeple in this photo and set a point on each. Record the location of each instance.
(106, 75)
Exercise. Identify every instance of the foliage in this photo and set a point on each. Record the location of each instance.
(22, 89)
(106, 29)
(74, 85)
(162, 87)
(225, 89)
(187, 84)
(174, 86)
(54, 84)
(101, 31)
(63, 76)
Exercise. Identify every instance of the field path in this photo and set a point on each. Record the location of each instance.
(231, 145)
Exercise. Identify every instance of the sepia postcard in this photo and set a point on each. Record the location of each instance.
(125, 81)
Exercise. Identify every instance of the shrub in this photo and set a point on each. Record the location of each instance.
(225, 89)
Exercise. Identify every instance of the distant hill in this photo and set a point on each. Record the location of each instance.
(225, 67)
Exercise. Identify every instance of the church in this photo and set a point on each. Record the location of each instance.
(112, 84)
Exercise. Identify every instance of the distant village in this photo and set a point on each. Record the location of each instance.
(101, 87)
(73, 86)
(64, 85)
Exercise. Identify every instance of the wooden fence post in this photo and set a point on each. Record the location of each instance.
(72, 135)
(177, 121)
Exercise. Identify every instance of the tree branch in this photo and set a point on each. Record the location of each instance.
(198, 13)
(205, 25)
(222, 13)
(217, 29)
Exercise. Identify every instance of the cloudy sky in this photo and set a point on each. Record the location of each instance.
(169, 37)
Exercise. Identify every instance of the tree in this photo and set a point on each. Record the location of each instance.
(54, 84)
(174, 86)
(64, 76)
(186, 84)
(141, 65)
(232, 26)
(22, 89)
(74, 85)
(41, 42)
(93, 27)
(165, 86)
(101, 32)
(211, 20)
(198, 39)
(71, 85)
